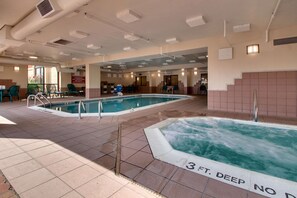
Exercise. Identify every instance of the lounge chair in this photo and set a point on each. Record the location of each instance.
(72, 90)
(11, 92)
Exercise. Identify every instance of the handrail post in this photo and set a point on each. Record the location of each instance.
(118, 153)
(99, 109)
(79, 111)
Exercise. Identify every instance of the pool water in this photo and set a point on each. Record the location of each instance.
(267, 149)
(113, 104)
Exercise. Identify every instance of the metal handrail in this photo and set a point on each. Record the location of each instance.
(37, 97)
(255, 106)
(100, 108)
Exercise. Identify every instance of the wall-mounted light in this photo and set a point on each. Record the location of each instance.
(183, 73)
(252, 49)
(16, 68)
(195, 73)
(182, 69)
(159, 74)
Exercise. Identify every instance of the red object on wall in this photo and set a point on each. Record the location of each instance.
(78, 79)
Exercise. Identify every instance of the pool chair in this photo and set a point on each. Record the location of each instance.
(12, 92)
(72, 90)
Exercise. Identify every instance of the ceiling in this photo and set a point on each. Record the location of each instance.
(159, 20)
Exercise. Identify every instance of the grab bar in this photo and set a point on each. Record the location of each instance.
(37, 97)
(100, 108)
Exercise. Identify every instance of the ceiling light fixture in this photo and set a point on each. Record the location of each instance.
(195, 21)
(33, 57)
(75, 59)
(78, 34)
(192, 61)
(131, 37)
(109, 66)
(128, 49)
(92, 46)
(140, 66)
(201, 57)
(172, 40)
(165, 63)
(64, 54)
(242, 28)
(128, 16)
(97, 54)
(169, 61)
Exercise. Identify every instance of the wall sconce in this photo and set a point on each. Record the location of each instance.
(195, 73)
(183, 73)
(16, 68)
(252, 49)
(182, 69)
(159, 73)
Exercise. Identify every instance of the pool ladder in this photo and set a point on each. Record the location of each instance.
(255, 107)
(38, 97)
(81, 104)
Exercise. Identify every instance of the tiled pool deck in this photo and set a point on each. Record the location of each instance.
(44, 155)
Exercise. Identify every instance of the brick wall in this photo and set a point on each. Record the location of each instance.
(276, 91)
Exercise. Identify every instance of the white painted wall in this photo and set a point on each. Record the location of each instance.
(271, 58)
(20, 77)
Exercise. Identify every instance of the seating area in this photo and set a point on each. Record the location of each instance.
(10, 93)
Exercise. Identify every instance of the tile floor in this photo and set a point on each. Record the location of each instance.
(76, 158)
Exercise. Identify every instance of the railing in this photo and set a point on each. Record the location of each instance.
(81, 104)
(255, 107)
(38, 97)
(100, 108)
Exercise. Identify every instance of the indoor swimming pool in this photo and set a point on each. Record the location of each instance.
(260, 157)
(114, 105)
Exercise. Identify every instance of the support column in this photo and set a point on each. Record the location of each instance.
(93, 81)
(184, 80)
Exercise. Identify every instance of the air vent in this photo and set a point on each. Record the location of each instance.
(285, 41)
(47, 8)
(61, 42)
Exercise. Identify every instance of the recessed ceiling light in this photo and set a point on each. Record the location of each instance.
(195, 21)
(172, 40)
(165, 63)
(128, 16)
(128, 48)
(92, 46)
(33, 57)
(144, 63)
(140, 66)
(78, 34)
(131, 37)
(242, 28)
(201, 57)
(97, 54)
(169, 61)
(75, 59)
(109, 66)
(192, 61)
(64, 54)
